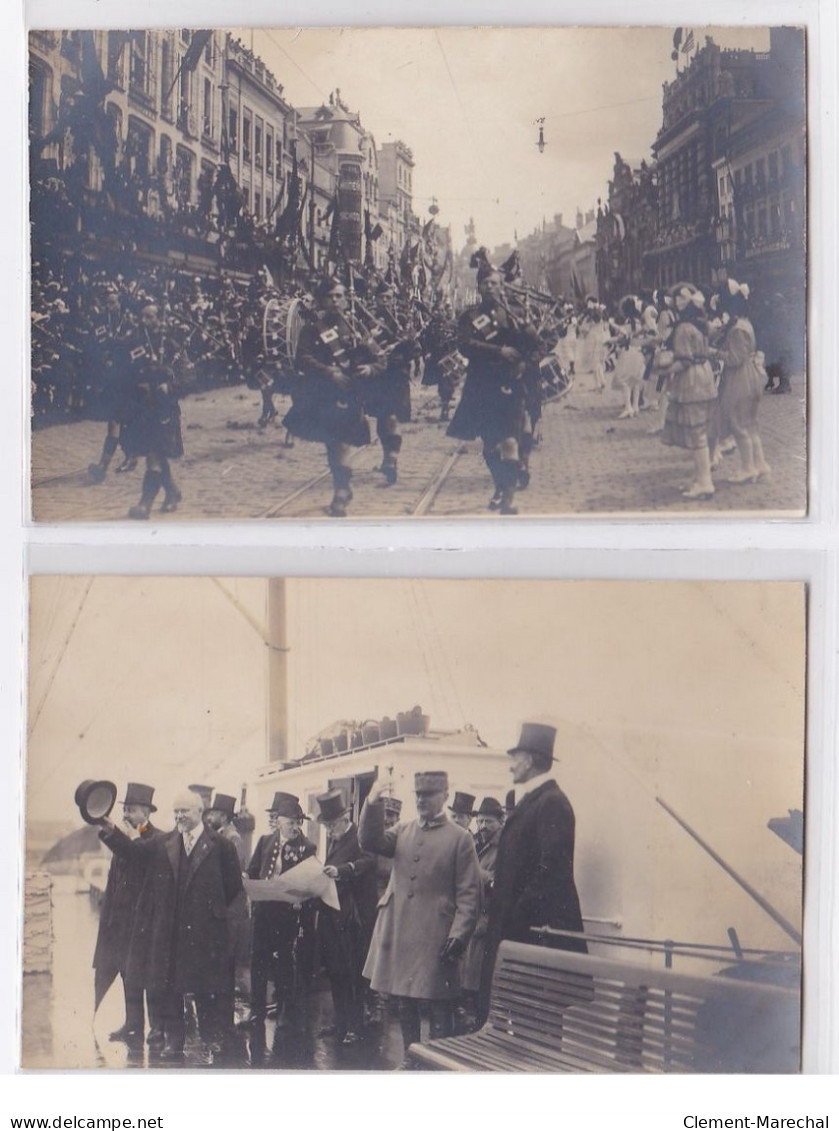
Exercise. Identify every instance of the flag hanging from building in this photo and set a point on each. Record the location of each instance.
(677, 39)
(689, 43)
(192, 58)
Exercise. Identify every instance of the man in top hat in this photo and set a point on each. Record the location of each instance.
(489, 821)
(219, 816)
(533, 884)
(116, 917)
(429, 910)
(276, 925)
(179, 942)
(461, 808)
(344, 935)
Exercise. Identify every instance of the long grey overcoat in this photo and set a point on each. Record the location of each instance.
(432, 896)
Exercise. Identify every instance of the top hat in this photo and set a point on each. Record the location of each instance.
(431, 781)
(489, 807)
(95, 800)
(332, 805)
(224, 803)
(463, 804)
(137, 794)
(536, 739)
(287, 805)
(205, 792)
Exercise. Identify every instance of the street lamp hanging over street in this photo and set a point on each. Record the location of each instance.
(541, 143)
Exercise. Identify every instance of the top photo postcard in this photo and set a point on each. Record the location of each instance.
(395, 273)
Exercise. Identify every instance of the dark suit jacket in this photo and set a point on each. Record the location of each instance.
(122, 891)
(534, 872)
(357, 888)
(179, 942)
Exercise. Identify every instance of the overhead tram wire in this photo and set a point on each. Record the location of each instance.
(267, 31)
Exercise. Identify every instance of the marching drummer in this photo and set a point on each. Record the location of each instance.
(334, 358)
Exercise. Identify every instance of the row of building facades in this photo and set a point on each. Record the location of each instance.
(176, 125)
(724, 195)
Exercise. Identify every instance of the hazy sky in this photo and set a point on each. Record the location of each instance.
(466, 101)
(162, 678)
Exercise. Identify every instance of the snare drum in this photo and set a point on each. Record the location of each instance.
(281, 325)
(554, 376)
(452, 365)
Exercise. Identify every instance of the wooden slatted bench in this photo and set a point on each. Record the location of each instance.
(558, 1011)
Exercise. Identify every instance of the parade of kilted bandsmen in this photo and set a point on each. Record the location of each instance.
(421, 904)
(345, 349)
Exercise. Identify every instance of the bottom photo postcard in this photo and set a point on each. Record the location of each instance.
(483, 825)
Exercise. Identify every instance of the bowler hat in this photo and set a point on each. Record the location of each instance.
(536, 739)
(489, 807)
(205, 792)
(137, 794)
(463, 803)
(287, 805)
(224, 803)
(95, 800)
(332, 805)
(431, 781)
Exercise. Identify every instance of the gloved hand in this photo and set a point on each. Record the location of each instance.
(452, 950)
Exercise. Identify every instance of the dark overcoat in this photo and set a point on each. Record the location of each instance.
(474, 957)
(348, 930)
(180, 940)
(533, 884)
(122, 891)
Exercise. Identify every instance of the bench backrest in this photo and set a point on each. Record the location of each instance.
(597, 1014)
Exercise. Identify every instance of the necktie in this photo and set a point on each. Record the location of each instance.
(189, 842)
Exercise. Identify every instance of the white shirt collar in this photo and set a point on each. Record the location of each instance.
(525, 787)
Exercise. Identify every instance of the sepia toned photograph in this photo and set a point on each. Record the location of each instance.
(290, 273)
(417, 825)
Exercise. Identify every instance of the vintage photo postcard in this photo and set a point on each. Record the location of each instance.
(505, 826)
(284, 273)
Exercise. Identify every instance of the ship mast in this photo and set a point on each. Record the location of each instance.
(277, 671)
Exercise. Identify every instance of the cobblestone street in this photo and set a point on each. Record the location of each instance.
(588, 462)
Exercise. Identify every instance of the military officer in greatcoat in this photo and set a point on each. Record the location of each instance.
(276, 925)
(498, 345)
(335, 357)
(344, 935)
(429, 910)
(116, 916)
(533, 882)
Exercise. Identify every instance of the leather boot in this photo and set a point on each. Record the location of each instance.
(152, 482)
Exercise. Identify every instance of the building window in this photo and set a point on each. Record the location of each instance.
(747, 175)
(207, 121)
(774, 217)
(233, 130)
(257, 142)
(279, 158)
(761, 222)
(269, 147)
(773, 166)
(760, 171)
(208, 52)
(140, 61)
(246, 136)
(738, 179)
(257, 205)
(116, 47)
